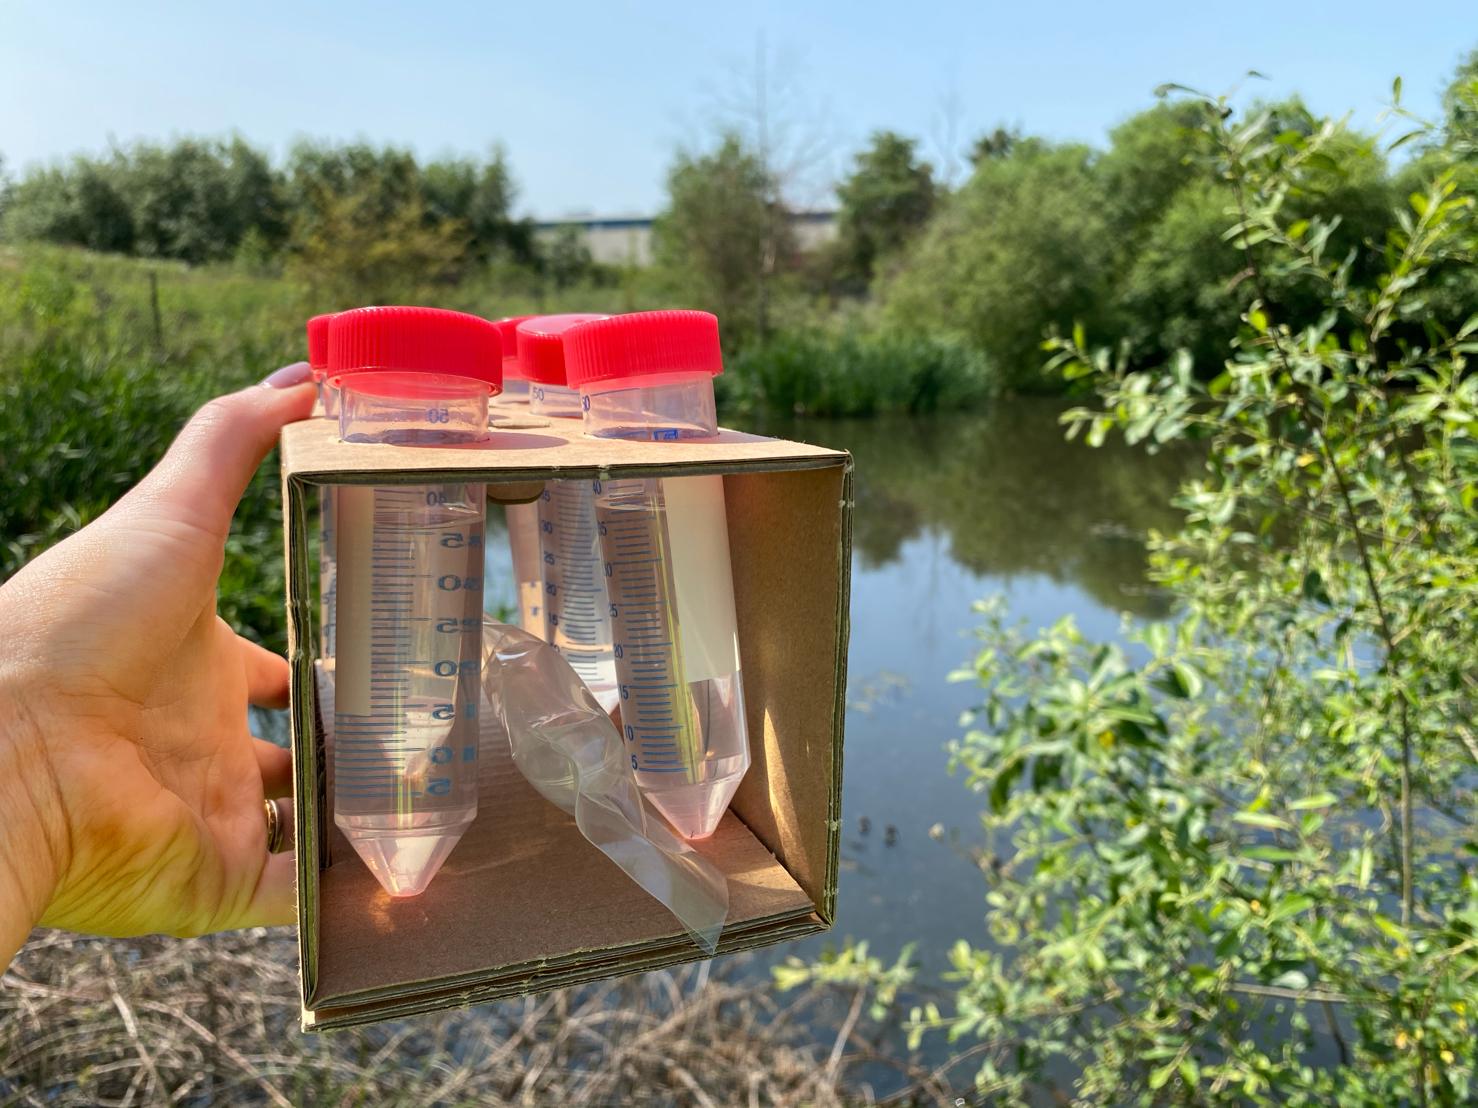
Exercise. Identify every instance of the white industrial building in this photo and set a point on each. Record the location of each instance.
(627, 240)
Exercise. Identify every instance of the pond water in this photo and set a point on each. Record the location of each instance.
(950, 510)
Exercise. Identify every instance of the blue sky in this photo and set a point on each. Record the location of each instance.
(590, 100)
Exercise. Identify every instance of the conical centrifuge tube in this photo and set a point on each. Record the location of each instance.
(665, 542)
(575, 609)
(408, 609)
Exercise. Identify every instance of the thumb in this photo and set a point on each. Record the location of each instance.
(202, 478)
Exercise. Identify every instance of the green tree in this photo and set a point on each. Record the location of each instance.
(720, 240)
(1452, 288)
(1460, 106)
(193, 200)
(1021, 248)
(196, 200)
(1151, 157)
(997, 143)
(383, 180)
(480, 196)
(886, 200)
(363, 230)
(1172, 293)
(352, 251)
(1174, 270)
(77, 205)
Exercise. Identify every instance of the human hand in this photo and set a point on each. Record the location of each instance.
(130, 786)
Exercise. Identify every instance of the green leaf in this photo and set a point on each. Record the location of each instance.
(1190, 678)
(1263, 819)
(1190, 1073)
(1159, 1077)
(1366, 867)
(1290, 905)
(1391, 929)
(1000, 790)
(1410, 136)
(1318, 800)
(790, 976)
(1314, 590)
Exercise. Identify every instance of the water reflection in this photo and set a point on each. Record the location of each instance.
(1010, 494)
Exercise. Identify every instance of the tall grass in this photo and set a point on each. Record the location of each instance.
(91, 394)
(853, 373)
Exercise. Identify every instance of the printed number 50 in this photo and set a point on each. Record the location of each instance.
(438, 415)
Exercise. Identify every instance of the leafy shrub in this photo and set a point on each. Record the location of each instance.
(1023, 245)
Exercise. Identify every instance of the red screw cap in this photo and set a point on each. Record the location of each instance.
(644, 344)
(508, 336)
(541, 345)
(415, 340)
(318, 344)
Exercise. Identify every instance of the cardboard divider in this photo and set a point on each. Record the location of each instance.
(786, 533)
(524, 903)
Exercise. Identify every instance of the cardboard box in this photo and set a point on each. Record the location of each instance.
(524, 903)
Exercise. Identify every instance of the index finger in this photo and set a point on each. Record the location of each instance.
(202, 478)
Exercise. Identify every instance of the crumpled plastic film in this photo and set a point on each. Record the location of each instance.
(568, 748)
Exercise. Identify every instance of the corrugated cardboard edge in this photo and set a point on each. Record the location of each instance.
(304, 696)
(839, 709)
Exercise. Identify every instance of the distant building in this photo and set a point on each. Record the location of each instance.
(627, 240)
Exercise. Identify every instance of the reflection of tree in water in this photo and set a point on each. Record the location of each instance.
(1011, 493)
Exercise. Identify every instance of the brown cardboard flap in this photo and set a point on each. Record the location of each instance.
(787, 541)
(596, 966)
(522, 889)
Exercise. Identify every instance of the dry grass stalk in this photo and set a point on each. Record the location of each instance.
(165, 1021)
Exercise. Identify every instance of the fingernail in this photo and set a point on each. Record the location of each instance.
(288, 376)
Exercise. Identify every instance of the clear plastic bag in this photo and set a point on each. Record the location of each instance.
(568, 748)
